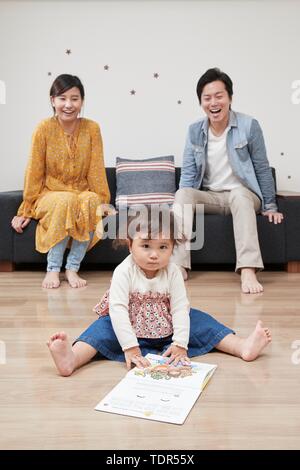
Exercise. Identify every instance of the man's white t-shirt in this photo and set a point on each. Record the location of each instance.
(218, 172)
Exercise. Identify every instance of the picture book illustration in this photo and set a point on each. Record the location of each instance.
(160, 392)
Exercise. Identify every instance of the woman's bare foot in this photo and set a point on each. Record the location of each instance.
(184, 273)
(51, 280)
(250, 284)
(62, 353)
(256, 342)
(74, 280)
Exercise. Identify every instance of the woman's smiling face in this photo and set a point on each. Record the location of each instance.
(68, 104)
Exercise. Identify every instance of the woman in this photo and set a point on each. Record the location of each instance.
(65, 183)
(225, 167)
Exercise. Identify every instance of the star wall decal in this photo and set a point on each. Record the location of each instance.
(106, 67)
(132, 92)
(156, 75)
(68, 51)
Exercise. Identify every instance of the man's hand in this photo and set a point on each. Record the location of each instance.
(275, 217)
(134, 356)
(177, 354)
(19, 223)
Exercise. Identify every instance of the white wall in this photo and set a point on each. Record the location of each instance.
(256, 42)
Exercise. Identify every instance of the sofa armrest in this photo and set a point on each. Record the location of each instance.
(289, 205)
(9, 204)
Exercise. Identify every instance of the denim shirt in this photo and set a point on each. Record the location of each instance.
(246, 153)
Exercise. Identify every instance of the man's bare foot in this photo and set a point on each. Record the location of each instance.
(250, 284)
(74, 280)
(51, 280)
(256, 342)
(184, 273)
(62, 354)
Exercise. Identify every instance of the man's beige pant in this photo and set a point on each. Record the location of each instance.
(242, 203)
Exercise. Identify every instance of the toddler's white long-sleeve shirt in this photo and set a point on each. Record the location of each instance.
(148, 308)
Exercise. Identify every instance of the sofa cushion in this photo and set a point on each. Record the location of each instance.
(149, 181)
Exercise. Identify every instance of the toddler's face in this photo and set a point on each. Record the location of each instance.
(151, 255)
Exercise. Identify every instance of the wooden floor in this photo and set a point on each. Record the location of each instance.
(245, 405)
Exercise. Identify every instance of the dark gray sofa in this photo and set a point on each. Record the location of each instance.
(280, 244)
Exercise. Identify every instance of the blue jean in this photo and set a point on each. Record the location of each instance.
(205, 333)
(77, 251)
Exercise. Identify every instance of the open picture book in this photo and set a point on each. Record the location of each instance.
(160, 392)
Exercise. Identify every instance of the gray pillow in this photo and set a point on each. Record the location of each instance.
(149, 181)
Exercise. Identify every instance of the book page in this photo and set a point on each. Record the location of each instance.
(160, 392)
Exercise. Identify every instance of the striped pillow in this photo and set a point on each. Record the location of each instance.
(150, 181)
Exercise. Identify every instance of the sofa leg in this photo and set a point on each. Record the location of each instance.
(293, 267)
(7, 266)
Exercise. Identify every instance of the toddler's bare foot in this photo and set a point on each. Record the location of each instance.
(250, 284)
(74, 280)
(256, 342)
(61, 351)
(51, 280)
(184, 273)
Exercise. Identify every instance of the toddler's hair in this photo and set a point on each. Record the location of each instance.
(150, 221)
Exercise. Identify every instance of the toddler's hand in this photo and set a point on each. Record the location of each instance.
(177, 354)
(134, 356)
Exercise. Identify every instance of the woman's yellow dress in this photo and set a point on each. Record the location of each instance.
(65, 183)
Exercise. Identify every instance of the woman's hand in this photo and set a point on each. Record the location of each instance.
(19, 223)
(275, 217)
(177, 354)
(134, 356)
(106, 209)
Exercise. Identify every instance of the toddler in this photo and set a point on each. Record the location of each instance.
(147, 311)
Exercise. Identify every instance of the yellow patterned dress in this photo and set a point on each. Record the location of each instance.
(65, 183)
